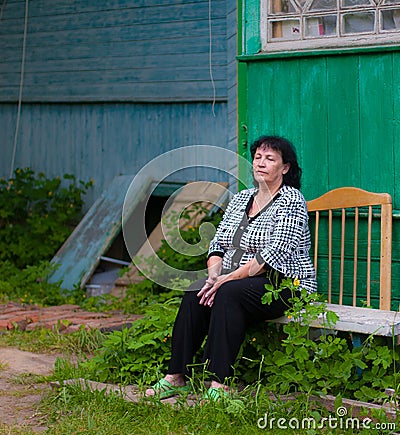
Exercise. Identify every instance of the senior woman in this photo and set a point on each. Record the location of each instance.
(263, 236)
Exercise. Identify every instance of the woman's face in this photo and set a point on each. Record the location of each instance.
(268, 166)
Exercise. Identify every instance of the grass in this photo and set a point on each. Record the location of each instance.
(15, 430)
(84, 412)
(74, 411)
(71, 410)
(48, 341)
(29, 379)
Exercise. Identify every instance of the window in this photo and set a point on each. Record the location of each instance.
(296, 24)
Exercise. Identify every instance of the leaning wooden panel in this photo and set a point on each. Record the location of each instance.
(79, 256)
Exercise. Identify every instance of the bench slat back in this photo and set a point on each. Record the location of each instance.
(343, 200)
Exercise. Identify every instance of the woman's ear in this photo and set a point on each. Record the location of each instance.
(286, 168)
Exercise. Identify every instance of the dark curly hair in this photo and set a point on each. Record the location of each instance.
(288, 153)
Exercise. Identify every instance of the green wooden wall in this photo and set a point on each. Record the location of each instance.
(341, 110)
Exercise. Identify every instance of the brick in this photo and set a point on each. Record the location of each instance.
(67, 318)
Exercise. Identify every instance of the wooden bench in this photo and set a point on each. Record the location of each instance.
(339, 209)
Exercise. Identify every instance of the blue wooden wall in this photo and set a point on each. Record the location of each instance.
(101, 141)
(109, 85)
(125, 50)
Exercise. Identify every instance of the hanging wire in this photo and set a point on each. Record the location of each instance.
(3, 6)
(210, 56)
(21, 85)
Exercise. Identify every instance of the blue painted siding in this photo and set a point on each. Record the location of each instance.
(154, 50)
(101, 141)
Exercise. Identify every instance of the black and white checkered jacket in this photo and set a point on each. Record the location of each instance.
(279, 236)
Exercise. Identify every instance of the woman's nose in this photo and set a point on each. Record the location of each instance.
(261, 162)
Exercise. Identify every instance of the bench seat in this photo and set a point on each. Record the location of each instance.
(358, 320)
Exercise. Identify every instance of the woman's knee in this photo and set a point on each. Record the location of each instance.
(190, 297)
(227, 292)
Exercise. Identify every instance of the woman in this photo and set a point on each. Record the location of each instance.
(263, 237)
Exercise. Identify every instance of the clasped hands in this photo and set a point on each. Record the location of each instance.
(209, 290)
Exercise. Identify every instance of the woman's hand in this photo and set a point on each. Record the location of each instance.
(214, 281)
(214, 265)
(209, 290)
(203, 294)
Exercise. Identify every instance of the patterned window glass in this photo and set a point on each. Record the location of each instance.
(296, 24)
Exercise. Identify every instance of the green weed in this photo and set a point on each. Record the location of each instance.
(37, 214)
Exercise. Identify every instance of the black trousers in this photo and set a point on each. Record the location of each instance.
(237, 305)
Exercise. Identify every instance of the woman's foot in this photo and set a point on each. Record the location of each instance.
(215, 384)
(217, 391)
(168, 386)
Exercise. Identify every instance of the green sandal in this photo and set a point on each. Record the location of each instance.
(215, 394)
(164, 389)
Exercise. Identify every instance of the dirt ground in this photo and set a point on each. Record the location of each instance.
(19, 394)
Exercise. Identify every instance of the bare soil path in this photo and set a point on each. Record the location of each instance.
(19, 394)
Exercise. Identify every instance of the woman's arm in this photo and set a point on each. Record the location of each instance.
(214, 266)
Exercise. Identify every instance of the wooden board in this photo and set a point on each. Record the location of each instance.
(79, 256)
(358, 320)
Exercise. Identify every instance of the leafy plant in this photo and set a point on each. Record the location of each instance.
(29, 285)
(139, 353)
(37, 214)
(292, 359)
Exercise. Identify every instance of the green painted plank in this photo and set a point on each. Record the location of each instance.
(286, 102)
(79, 256)
(261, 117)
(376, 122)
(396, 128)
(396, 182)
(250, 25)
(243, 143)
(314, 132)
(343, 121)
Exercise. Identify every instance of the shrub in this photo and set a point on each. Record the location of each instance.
(289, 358)
(139, 353)
(37, 214)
